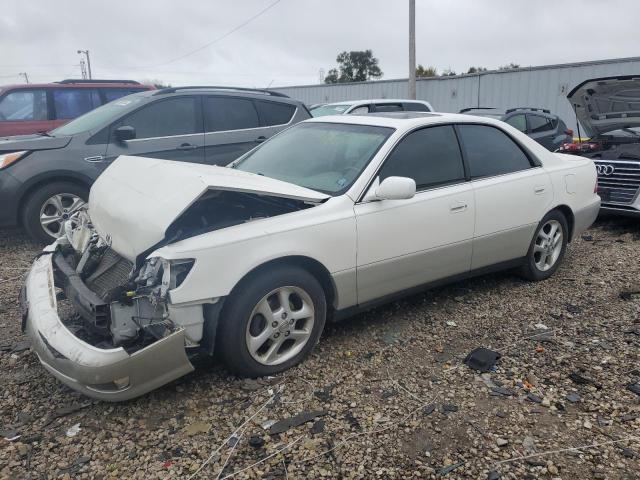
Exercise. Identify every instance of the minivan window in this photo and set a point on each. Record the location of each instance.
(274, 113)
(223, 113)
(111, 94)
(71, 103)
(164, 118)
(388, 107)
(24, 105)
(489, 151)
(99, 117)
(431, 156)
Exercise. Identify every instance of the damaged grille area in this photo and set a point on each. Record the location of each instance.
(113, 271)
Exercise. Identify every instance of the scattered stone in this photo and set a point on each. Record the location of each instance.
(501, 442)
(534, 398)
(634, 388)
(502, 391)
(482, 359)
(73, 430)
(197, 427)
(449, 407)
(449, 468)
(582, 380)
(587, 238)
(21, 346)
(429, 409)
(317, 427)
(529, 444)
(501, 414)
(493, 475)
(573, 397)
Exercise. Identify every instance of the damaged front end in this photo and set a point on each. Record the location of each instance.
(103, 326)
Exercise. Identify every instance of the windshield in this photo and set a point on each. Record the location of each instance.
(330, 110)
(327, 157)
(98, 117)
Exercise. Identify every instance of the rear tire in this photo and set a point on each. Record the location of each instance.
(259, 334)
(547, 247)
(53, 203)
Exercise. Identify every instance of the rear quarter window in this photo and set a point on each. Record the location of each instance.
(24, 105)
(274, 113)
(416, 107)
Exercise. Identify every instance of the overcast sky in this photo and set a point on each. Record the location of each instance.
(292, 40)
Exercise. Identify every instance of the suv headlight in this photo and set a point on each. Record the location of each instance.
(7, 159)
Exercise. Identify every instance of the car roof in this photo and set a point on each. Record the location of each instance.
(79, 84)
(225, 92)
(376, 100)
(404, 120)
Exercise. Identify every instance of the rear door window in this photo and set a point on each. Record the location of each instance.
(518, 121)
(539, 124)
(490, 152)
(430, 156)
(416, 107)
(389, 107)
(360, 110)
(71, 103)
(165, 118)
(227, 113)
(274, 113)
(24, 105)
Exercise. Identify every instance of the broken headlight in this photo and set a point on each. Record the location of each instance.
(175, 272)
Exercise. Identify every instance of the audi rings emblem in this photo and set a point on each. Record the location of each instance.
(605, 169)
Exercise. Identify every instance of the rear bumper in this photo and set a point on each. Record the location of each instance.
(104, 374)
(585, 217)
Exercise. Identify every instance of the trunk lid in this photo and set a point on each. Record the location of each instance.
(606, 104)
(136, 199)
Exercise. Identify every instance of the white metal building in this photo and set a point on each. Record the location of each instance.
(544, 87)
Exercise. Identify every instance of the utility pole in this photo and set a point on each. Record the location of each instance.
(83, 69)
(86, 53)
(26, 77)
(412, 49)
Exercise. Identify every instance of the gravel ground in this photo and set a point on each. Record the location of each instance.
(390, 393)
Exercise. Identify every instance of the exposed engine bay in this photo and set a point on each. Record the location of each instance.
(120, 303)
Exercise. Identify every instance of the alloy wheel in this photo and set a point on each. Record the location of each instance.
(548, 245)
(56, 210)
(280, 325)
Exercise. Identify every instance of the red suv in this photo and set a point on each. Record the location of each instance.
(34, 108)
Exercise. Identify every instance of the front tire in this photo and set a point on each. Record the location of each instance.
(49, 206)
(271, 321)
(547, 248)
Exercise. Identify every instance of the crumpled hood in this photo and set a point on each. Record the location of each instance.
(606, 104)
(134, 201)
(32, 142)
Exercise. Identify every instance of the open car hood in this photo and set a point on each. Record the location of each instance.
(136, 199)
(606, 104)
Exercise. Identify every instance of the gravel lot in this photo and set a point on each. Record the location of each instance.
(392, 397)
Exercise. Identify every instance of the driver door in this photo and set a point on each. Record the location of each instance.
(407, 243)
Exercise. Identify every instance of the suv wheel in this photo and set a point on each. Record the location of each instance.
(271, 322)
(547, 248)
(47, 208)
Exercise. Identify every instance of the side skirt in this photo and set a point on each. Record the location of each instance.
(339, 315)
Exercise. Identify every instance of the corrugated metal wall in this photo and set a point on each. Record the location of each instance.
(544, 87)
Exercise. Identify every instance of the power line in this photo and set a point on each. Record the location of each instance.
(214, 41)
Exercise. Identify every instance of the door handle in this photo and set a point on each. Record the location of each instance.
(187, 146)
(457, 207)
(261, 139)
(539, 189)
(96, 159)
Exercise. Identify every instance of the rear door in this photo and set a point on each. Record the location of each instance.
(541, 129)
(24, 111)
(170, 128)
(235, 125)
(512, 194)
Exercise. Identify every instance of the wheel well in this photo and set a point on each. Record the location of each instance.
(317, 269)
(32, 188)
(568, 214)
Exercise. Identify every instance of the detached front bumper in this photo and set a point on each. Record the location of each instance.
(104, 374)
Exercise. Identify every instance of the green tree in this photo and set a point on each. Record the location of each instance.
(156, 83)
(426, 72)
(509, 66)
(354, 66)
(476, 69)
(447, 72)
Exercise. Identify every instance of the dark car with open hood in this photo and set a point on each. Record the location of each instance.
(45, 177)
(609, 111)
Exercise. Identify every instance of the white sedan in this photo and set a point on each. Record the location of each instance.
(329, 217)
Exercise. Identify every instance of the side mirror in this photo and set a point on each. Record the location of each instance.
(396, 188)
(125, 132)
